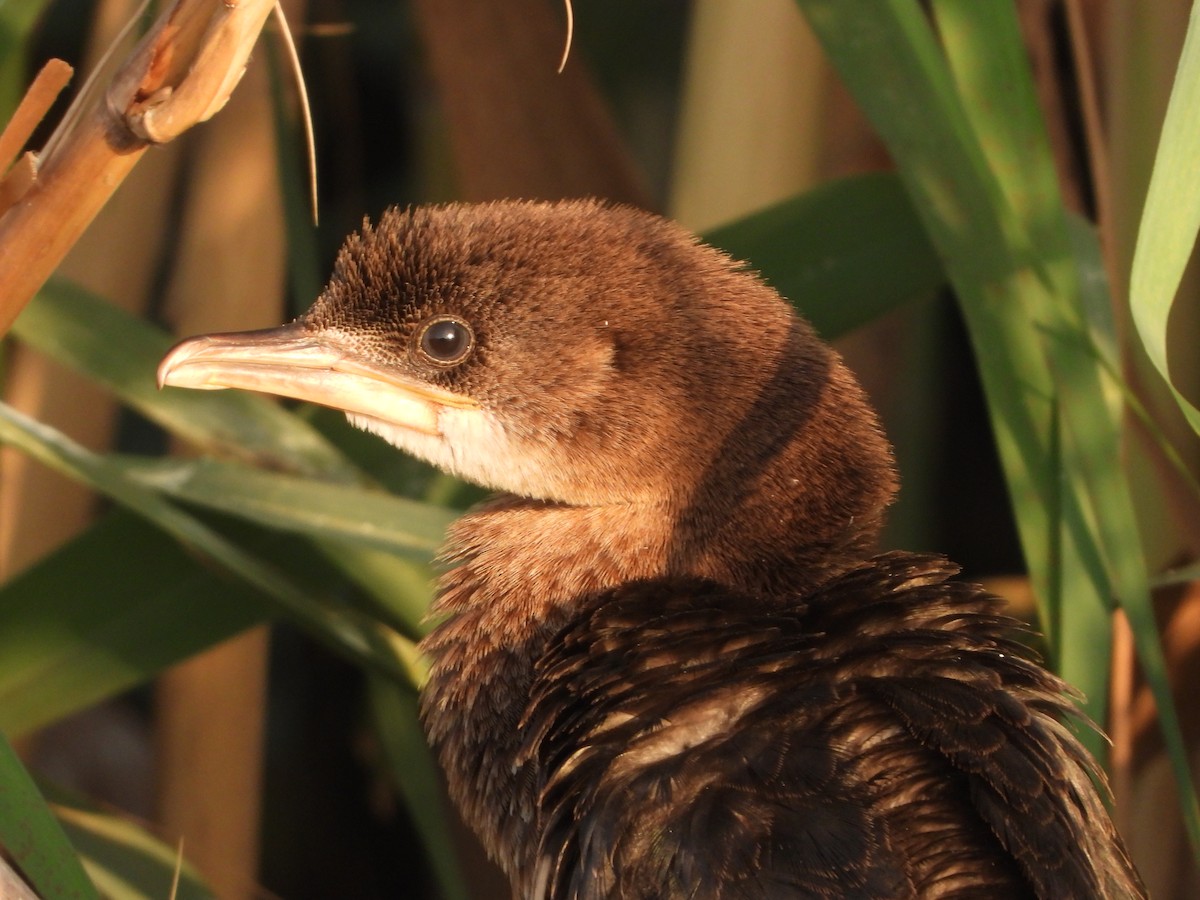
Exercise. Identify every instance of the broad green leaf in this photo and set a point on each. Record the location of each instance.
(1084, 365)
(384, 543)
(105, 343)
(398, 590)
(886, 55)
(1083, 628)
(987, 60)
(1171, 216)
(32, 837)
(365, 518)
(1095, 295)
(76, 628)
(394, 711)
(351, 634)
(843, 253)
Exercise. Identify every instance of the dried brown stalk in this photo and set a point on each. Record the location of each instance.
(33, 108)
(181, 73)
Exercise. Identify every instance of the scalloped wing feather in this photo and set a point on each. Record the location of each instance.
(887, 737)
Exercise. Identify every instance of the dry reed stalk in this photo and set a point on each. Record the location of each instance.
(180, 73)
(733, 158)
(46, 86)
(33, 107)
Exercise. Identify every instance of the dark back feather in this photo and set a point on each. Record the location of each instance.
(689, 742)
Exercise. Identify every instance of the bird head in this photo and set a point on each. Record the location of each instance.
(572, 352)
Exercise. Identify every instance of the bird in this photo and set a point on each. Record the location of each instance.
(670, 659)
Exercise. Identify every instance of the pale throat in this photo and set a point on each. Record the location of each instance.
(471, 444)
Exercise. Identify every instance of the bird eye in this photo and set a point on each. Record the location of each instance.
(445, 340)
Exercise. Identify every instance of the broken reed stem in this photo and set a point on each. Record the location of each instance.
(18, 180)
(32, 109)
(179, 74)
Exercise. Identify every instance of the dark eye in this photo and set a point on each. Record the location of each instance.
(445, 340)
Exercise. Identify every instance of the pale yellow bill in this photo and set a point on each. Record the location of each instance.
(292, 361)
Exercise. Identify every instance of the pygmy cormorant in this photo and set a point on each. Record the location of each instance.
(669, 665)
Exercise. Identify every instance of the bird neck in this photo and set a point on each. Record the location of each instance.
(518, 562)
(522, 567)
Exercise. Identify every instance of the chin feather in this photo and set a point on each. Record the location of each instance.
(472, 445)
